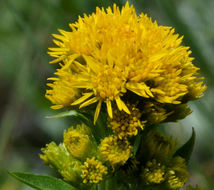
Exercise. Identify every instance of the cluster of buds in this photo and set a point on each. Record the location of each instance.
(81, 160)
(76, 159)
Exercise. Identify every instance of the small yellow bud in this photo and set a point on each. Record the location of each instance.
(154, 172)
(177, 173)
(79, 142)
(115, 150)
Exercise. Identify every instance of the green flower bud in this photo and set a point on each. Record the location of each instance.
(154, 113)
(59, 158)
(178, 112)
(159, 147)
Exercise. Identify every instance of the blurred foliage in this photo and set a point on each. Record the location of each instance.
(25, 34)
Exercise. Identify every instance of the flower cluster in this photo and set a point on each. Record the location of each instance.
(137, 56)
(144, 76)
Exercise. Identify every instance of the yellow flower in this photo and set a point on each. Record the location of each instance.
(115, 150)
(126, 124)
(115, 51)
(154, 172)
(61, 93)
(93, 171)
(79, 142)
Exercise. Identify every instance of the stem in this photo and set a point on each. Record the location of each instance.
(102, 185)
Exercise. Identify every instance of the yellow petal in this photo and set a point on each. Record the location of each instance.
(59, 37)
(140, 89)
(80, 66)
(91, 101)
(109, 108)
(156, 57)
(53, 78)
(58, 49)
(97, 111)
(81, 84)
(71, 58)
(58, 43)
(91, 63)
(83, 98)
(121, 105)
(158, 91)
(56, 107)
(56, 60)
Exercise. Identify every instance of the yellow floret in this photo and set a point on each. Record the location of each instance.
(93, 171)
(154, 172)
(61, 93)
(115, 150)
(126, 124)
(177, 173)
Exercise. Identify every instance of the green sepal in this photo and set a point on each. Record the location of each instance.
(186, 150)
(41, 182)
(70, 113)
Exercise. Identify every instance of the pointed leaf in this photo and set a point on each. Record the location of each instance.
(41, 182)
(186, 150)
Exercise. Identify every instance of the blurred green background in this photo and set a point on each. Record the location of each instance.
(25, 34)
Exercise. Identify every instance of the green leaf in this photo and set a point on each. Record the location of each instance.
(70, 113)
(186, 150)
(136, 144)
(41, 182)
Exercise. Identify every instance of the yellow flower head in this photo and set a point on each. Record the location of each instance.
(115, 51)
(79, 142)
(177, 173)
(93, 171)
(61, 93)
(126, 124)
(154, 172)
(115, 150)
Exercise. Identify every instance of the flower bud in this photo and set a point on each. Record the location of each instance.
(59, 158)
(80, 142)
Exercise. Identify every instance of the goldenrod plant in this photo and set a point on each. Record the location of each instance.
(122, 74)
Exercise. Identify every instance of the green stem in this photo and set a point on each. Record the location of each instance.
(102, 185)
